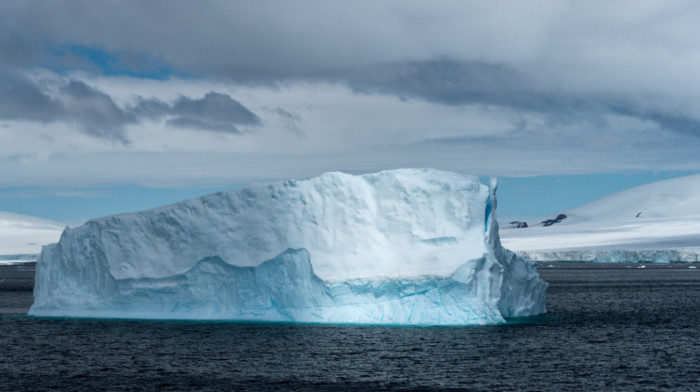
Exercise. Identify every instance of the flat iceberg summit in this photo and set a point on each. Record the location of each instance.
(406, 247)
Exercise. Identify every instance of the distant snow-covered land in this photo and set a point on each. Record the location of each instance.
(654, 222)
(22, 236)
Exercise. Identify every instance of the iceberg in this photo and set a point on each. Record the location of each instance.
(401, 247)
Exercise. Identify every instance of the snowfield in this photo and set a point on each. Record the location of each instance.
(22, 236)
(407, 246)
(657, 222)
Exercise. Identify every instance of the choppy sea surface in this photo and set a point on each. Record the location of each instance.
(609, 327)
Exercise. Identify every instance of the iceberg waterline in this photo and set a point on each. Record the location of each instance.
(408, 246)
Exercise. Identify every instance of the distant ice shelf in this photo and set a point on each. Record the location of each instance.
(401, 247)
(616, 256)
(18, 259)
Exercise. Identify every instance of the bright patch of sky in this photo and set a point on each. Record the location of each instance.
(75, 206)
(69, 58)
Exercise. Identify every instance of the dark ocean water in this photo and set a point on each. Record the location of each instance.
(609, 328)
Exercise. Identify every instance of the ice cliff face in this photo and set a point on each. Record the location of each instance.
(396, 247)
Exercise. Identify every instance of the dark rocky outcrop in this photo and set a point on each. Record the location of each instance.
(518, 225)
(550, 222)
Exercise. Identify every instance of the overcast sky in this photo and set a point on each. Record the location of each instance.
(216, 93)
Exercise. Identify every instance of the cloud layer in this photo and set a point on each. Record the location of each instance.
(96, 114)
(536, 87)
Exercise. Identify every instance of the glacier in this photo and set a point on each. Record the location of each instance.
(399, 247)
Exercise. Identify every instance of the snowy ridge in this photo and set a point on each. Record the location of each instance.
(22, 236)
(396, 247)
(657, 222)
(675, 198)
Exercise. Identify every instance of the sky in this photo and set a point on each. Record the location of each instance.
(116, 106)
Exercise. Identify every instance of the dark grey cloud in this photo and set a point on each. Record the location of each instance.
(457, 83)
(447, 81)
(247, 42)
(149, 108)
(93, 111)
(97, 114)
(202, 124)
(290, 121)
(287, 115)
(216, 107)
(215, 112)
(22, 99)
(452, 82)
(16, 50)
(676, 122)
(672, 121)
(19, 46)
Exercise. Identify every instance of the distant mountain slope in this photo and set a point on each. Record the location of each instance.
(674, 198)
(22, 234)
(661, 215)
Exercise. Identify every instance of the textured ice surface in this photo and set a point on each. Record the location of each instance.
(396, 247)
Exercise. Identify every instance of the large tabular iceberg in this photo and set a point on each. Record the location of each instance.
(406, 246)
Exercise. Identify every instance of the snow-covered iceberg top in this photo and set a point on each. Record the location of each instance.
(405, 246)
